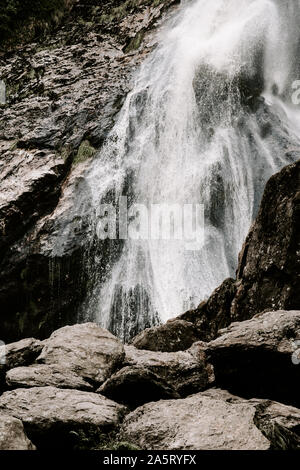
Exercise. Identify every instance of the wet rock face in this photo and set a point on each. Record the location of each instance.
(12, 435)
(213, 420)
(260, 357)
(213, 314)
(63, 93)
(55, 418)
(268, 274)
(269, 266)
(175, 335)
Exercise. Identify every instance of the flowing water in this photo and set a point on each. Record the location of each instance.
(208, 121)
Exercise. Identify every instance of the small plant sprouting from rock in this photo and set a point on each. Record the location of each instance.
(85, 151)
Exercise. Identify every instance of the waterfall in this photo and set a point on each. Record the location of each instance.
(209, 119)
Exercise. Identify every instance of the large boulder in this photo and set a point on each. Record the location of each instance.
(133, 386)
(186, 371)
(175, 335)
(88, 350)
(260, 357)
(43, 375)
(213, 420)
(56, 418)
(12, 435)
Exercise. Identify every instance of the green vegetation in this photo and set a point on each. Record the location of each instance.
(85, 151)
(96, 440)
(28, 17)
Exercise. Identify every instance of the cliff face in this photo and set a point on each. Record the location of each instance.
(63, 92)
(268, 274)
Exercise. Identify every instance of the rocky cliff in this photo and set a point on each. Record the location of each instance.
(268, 274)
(63, 92)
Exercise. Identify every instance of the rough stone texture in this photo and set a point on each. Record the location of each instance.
(43, 375)
(254, 358)
(133, 386)
(54, 418)
(268, 274)
(90, 351)
(186, 371)
(175, 335)
(63, 94)
(269, 263)
(212, 420)
(12, 435)
(21, 353)
(213, 314)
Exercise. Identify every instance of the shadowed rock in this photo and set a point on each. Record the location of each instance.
(133, 386)
(260, 357)
(186, 371)
(175, 335)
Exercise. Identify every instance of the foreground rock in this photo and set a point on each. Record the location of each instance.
(88, 350)
(55, 418)
(175, 335)
(213, 420)
(186, 371)
(43, 375)
(21, 353)
(260, 357)
(12, 435)
(134, 386)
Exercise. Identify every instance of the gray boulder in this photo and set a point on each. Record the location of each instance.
(88, 350)
(186, 371)
(133, 386)
(260, 357)
(175, 335)
(213, 420)
(43, 375)
(12, 435)
(56, 418)
(21, 353)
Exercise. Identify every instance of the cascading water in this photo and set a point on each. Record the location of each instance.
(208, 121)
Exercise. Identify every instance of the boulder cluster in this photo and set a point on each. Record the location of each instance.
(83, 389)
